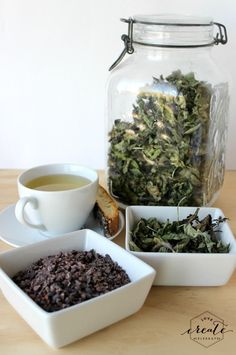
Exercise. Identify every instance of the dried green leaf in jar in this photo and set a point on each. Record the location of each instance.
(162, 155)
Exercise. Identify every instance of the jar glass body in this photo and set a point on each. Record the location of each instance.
(167, 116)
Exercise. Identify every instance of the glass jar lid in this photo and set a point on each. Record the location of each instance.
(171, 31)
(173, 19)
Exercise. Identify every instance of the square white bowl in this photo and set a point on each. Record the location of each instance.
(184, 269)
(65, 326)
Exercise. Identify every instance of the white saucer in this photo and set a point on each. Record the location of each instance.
(16, 234)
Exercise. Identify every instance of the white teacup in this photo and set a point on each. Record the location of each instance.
(58, 211)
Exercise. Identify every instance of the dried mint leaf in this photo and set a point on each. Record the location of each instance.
(162, 155)
(189, 235)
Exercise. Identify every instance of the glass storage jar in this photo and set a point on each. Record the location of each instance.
(167, 113)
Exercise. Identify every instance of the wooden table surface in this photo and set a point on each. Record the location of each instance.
(156, 328)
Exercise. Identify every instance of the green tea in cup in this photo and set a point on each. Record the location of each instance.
(57, 182)
(56, 198)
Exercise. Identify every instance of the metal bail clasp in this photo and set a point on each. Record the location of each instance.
(128, 42)
(221, 36)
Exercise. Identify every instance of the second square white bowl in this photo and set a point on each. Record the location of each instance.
(184, 269)
(67, 325)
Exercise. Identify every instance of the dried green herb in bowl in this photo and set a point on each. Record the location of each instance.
(189, 235)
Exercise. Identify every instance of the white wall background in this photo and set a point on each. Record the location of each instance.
(54, 56)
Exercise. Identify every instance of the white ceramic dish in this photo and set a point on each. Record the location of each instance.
(16, 234)
(185, 269)
(65, 326)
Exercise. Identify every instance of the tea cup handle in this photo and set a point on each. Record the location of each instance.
(20, 214)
